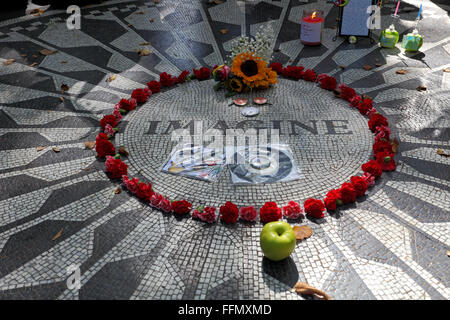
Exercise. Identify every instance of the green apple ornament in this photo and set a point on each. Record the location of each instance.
(277, 240)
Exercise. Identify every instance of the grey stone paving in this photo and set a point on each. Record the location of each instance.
(391, 245)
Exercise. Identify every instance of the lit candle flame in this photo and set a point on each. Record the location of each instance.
(313, 15)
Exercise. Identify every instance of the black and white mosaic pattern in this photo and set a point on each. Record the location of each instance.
(393, 244)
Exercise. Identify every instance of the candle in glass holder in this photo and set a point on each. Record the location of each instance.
(312, 26)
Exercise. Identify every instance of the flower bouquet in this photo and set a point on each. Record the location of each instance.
(248, 67)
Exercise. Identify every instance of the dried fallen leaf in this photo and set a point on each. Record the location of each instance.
(61, 99)
(304, 288)
(302, 232)
(64, 88)
(144, 43)
(367, 67)
(34, 56)
(118, 190)
(446, 70)
(155, 1)
(139, 12)
(152, 20)
(378, 64)
(112, 78)
(9, 61)
(144, 52)
(341, 67)
(63, 62)
(442, 153)
(421, 88)
(366, 96)
(123, 151)
(34, 64)
(217, 1)
(223, 31)
(47, 52)
(89, 144)
(394, 143)
(401, 71)
(337, 93)
(448, 253)
(56, 149)
(40, 148)
(58, 235)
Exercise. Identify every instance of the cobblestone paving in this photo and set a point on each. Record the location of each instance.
(391, 245)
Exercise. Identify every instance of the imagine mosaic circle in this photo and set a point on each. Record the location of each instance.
(329, 140)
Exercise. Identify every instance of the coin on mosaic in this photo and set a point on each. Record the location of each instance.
(260, 100)
(352, 39)
(250, 111)
(240, 101)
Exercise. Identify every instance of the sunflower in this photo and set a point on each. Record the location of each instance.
(236, 85)
(249, 67)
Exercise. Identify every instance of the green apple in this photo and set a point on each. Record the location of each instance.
(277, 240)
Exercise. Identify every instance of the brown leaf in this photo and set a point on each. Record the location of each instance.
(394, 143)
(337, 93)
(34, 56)
(366, 96)
(401, 71)
(144, 52)
(304, 288)
(123, 151)
(63, 62)
(34, 64)
(58, 235)
(118, 190)
(367, 67)
(341, 67)
(155, 1)
(89, 144)
(139, 12)
(442, 153)
(47, 52)
(86, 169)
(217, 1)
(223, 31)
(448, 253)
(144, 44)
(378, 64)
(23, 55)
(421, 88)
(112, 78)
(9, 61)
(152, 20)
(61, 99)
(40, 148)
(56, 149)
(302, 232)
(64, 88)
(446, 70)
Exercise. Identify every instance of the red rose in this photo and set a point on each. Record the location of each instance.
(104, 148)
(355, 101)
(386, 160)
(229, 212)
(165, 205)
(202, 74)
(270, 212)
(276, 66)
(167, 80)
(327, 82)
(377, 120)
(348, 193)
(373, 168)
(182, 76)
(155, 200)
(115, 167)
(293, 210)
(101, 136)
(365, 106)
(359, 184)
(293, 72)
(333, 199)
(314, 208)
(108, 119)
(127, 105)
(154, 86)
(144, 191)
(140, 95)
(347, 93)
(382, 145)
(310, 75)
(181, 207)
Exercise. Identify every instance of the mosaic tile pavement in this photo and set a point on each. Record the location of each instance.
(392, 245)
